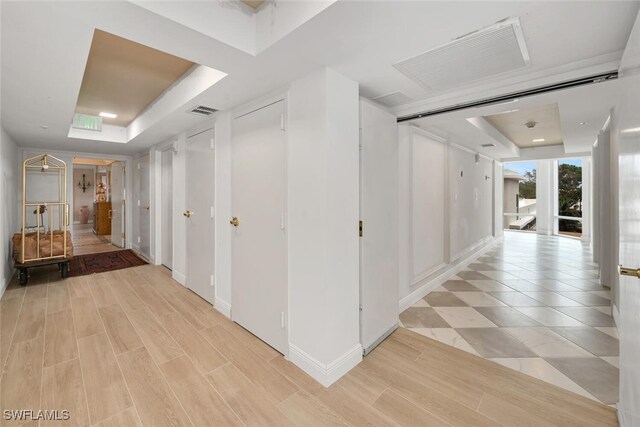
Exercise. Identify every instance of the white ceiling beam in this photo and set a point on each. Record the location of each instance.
(494, 134)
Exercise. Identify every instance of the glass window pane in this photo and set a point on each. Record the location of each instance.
(570, 197)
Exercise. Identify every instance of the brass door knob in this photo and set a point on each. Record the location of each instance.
(187, 214)
(147, 207)
(633, 272)
(234, 221)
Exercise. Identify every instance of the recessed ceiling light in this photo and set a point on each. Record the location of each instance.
(108, 115)
(630, 130)
(44, 126)
(538, 140)
(583, 123)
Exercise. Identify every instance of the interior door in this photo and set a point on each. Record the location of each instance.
(259, 268)
(166, 201)
(199, 214)
(379, 215)
(117, 204)
(145, 206)
(629, 216)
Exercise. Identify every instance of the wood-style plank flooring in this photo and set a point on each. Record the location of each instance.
(132, 347)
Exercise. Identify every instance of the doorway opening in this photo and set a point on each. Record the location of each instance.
(519, 196)
(98, 205)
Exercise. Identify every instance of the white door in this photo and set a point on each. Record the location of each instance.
(166, 201)
(145, 206)
(379, 215)
(117, 204)
(629, 287)
(199, 214)
(259, 267)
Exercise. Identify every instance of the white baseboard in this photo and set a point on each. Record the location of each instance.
(620, 415)
(325, 374)
(223, 307)
(179, 277)
(452, 269)
(4, 282)
(616, 314)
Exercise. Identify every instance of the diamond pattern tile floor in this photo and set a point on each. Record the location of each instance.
(532, 304)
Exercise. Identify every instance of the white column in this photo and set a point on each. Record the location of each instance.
(544, 197)
(323, 202)
(586, 200)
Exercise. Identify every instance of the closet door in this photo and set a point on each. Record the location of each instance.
(199, 214)
(259, 254)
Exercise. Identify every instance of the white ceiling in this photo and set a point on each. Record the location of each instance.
(41, 80)
(545, 122)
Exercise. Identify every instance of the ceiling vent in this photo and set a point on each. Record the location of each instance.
(488, 145)
(484, 53)
(394, 99)
(201, 110)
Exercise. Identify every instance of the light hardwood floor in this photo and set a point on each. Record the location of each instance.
(133, 347)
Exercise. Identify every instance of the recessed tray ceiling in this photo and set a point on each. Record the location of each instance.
(124, 77)
(512, 124)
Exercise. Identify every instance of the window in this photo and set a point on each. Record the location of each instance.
(569, 212)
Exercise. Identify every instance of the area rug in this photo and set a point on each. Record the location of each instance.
(81, 265)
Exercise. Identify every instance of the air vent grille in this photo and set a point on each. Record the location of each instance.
(488, 52)
(201, 110)
(488, 145)
(393, 99)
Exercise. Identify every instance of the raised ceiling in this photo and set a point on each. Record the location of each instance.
(124, 77)
(546, 126)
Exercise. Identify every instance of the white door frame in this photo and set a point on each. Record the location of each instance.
(239, 112)
(156, 198)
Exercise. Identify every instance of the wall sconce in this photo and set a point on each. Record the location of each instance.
(84, 184)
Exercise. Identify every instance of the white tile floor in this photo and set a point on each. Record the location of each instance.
(533, 304)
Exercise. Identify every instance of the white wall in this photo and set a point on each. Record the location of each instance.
(429, 169)
(323, 199)
(498, 210)
(10, 182)
(447, 212)
(81, 198)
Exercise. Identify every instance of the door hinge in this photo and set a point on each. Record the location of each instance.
(212, 212)
(138, 239)
(360, 228)
(123, 235)
(282, 122)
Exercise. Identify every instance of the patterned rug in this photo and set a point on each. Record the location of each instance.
(82, 265)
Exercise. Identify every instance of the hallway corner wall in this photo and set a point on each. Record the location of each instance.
(323, 214)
